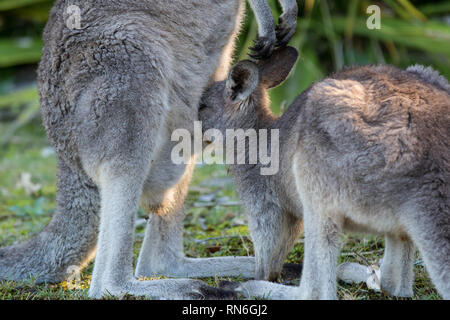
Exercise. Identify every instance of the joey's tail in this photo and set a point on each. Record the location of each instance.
(68, 240)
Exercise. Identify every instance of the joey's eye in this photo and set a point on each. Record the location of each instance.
(202, 106)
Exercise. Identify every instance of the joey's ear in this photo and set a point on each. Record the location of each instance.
(242, 80)
(276, 69)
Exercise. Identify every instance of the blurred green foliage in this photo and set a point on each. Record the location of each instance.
(330, 35)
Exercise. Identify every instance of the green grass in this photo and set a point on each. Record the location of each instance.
(222, 228)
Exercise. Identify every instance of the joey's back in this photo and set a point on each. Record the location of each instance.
(381, 133)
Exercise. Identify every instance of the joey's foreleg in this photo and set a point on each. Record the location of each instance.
(273, 233)
(397, 274)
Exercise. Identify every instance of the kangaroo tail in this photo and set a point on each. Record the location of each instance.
(68, 240)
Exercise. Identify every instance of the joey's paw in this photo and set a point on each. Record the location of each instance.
(202, 291)
(287, 25)
(263, 47)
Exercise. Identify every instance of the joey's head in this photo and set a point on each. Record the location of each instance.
(241, 101)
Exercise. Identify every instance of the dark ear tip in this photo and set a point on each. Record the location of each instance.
(287, 51)
(292, 51)
(277, 68)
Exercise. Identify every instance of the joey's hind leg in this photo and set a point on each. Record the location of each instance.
(162, 248)
(322, 243)
(397, 274)
(430, 231)
(273, 233)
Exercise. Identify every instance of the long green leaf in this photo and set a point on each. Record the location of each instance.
(412, 10)
(433, 37)
(14, 4)
(19, 51)
(435, 8)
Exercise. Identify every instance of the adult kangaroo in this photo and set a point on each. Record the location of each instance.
(112, 90)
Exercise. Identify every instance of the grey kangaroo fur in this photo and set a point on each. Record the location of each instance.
(365, 150)
(111, 94)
